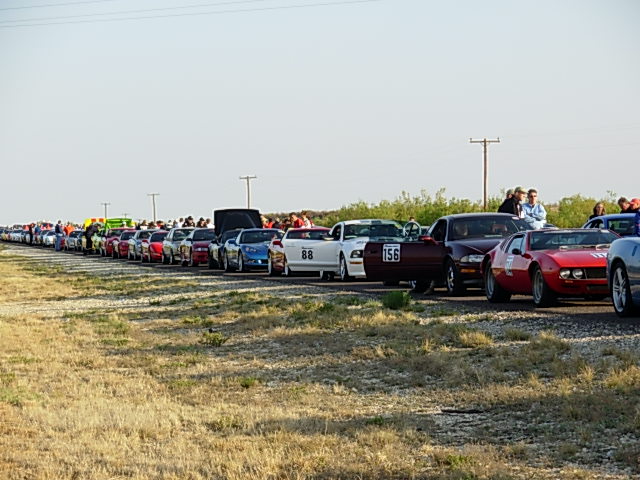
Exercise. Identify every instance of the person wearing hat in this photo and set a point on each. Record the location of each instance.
(513, 205)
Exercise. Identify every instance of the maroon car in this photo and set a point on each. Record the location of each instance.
(106, 247)
(194, 249)
(449, 254)
(120, 245)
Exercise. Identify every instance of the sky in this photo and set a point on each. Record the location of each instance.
(327, 102)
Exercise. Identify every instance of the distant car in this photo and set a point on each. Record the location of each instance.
(151, 248)
(171, 244)
(48, 238)
(623, 275)
(103, 240)
(288, 254)
(450, 253)
(217, 248)
(549, 264)
(74, 240)
(621, 223)
(195, 248)
(248, 250)
(120, 245)
(134, 251)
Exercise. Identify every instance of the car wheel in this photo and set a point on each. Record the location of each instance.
(452, 279)
(621, 292)
(240, 262)
(344, 270)
(543, 296)
(165, 259)
(327, 276)
(270, 270)
(286, 271)
(227, 264)
(494, 291)
(172, 258)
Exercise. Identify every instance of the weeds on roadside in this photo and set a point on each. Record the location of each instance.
(213, 339)
(396, 300)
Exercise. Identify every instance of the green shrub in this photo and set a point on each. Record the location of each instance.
(213, 339)
(396, 300)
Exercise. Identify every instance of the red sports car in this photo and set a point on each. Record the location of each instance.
(549, 264)
(120, 246)
(151, 248)
(106, 250)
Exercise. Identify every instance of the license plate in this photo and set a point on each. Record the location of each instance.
(391, 252)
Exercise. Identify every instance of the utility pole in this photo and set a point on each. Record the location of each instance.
(105, 205)
(248, 179)
(485, 173)
(125, 215)
(153, 201)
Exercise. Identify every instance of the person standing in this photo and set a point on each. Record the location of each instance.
(308, 223)
(59, 229)
(624, 204)
(295, 221)
(513, 205)
(534, 213)
(598, 210)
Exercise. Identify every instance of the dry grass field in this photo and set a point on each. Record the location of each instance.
(142, 375)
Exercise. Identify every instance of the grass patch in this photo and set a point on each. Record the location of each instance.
(396, 300)
(213, 339)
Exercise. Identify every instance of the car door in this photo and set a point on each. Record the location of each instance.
(166, 243)
(515, 276)
(327, 251)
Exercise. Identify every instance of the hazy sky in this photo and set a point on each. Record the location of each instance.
(327, 105)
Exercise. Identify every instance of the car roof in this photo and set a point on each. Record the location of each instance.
(366, 221)
(613, 216)
(479, 214)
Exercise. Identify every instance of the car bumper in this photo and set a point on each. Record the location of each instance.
(579, 287)
(200, 256)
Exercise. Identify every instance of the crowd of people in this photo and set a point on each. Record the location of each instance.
(532, 211)
(292, 221)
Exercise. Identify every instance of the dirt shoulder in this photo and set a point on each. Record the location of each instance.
(109, 370)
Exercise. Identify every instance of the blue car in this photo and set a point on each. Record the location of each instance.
(249, 249)
(623, 272)
(621, 223)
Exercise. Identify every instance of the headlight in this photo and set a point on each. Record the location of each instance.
(472, 258)
(356, 254)
(577, 273)
(565, 273)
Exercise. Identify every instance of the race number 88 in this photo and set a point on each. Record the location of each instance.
(307, 254)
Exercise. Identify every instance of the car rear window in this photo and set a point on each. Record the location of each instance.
(127, 235)
(546, 240)
(259, 236)
(485, 227)
(158, 237)
(307, 234)
(204, 235)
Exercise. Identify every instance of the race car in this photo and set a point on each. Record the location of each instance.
(288, 254)
(171, 244)
(248, 250)
(195, 248)
(548, 264)
(151, 248)
(120, 245)
(134, 252)
(623, 274)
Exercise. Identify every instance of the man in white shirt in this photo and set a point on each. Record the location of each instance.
(534, 213)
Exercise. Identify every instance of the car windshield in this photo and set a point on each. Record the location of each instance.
(180, 234)
(555, 240)
(115, 232)
(622, 227)
(259, 236)
(307, 234)
(485, 227)
(158, 237)
(375, 230)
(200, 235)
(127, 235)
(229, 234)
(142, 234)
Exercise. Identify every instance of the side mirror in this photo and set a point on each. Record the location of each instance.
(427, 239)
(516, 251)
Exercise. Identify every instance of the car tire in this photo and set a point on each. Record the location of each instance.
(172, 258)
(270, 270)
(326, 276)
(420, 286)
(240, 262)
(344, 270)
(452, 279)
(227, 265)
(621, 292)
(543, 296)
(494, 291)
(165, 259)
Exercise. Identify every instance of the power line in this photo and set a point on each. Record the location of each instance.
(125, 12)
(217, 12)
(55, 5)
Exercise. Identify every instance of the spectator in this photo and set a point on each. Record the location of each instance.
(263, 221)
(295, 221)
(513, 205)
(210, 223)
(59, 233)
(286, 225)
(623, 203)
(534, 213)
(307, 222)
(634, 205)
(598, 210)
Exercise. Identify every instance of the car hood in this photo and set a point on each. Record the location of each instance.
(233, 218)
(579, 258)
(260, 247)
(478, 246)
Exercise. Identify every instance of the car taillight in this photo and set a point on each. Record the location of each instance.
(277, 243)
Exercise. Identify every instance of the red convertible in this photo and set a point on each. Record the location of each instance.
(549, 264)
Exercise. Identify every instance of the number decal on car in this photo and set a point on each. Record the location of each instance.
(307, 254)
(391, 252)
(507, 266)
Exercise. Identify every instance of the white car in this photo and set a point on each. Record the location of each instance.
(49, 239)
(340, 252)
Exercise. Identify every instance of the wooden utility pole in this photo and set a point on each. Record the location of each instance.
(105, 205)
(485, 173)
(248, 179)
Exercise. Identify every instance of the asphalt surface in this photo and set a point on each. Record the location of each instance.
(577, 309)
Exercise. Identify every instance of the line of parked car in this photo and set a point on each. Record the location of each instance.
(490, 250)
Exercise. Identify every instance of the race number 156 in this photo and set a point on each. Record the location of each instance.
(391, 252)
